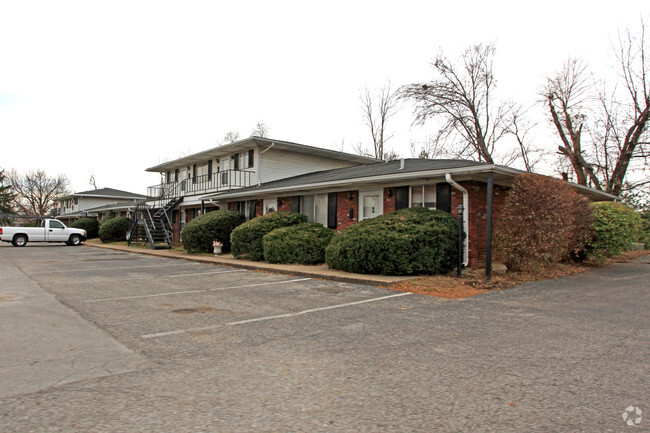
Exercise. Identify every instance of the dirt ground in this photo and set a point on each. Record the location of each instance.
(473, 281)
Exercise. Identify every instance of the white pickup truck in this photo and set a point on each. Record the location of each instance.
(48, 230)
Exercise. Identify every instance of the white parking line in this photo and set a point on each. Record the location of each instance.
(163, 276)
(107, 268)
(155, 295)
(279, 316)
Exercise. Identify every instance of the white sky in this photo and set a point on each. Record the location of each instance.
(114, 87)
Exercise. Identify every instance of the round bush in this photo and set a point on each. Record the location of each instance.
(405, 242)
(246, 240)
(303, 244)
(197, 235)
(114, 230)
(91, 225)
(615, 227)
(543, 220)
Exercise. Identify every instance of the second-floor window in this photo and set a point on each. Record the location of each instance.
(210, 169)
(194, 173)
(251, 158)
(235, 161)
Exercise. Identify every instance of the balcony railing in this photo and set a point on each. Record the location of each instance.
(220, 181)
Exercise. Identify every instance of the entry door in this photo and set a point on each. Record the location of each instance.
(370, 204)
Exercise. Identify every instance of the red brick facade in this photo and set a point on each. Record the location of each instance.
(347, 209)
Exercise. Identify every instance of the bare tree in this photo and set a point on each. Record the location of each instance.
(92, 181)
(230, 137)
(461, 98)
(260, 130)
(520, 128)
(433, 147)
(36, 192)
(616, 128)
(377, 109)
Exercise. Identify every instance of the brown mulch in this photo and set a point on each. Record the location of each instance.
(473, 281)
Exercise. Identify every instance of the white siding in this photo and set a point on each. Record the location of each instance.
(279, 164)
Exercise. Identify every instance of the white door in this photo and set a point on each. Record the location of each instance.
(370, 204)
(270, 205)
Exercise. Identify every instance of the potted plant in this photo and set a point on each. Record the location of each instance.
(217, 247)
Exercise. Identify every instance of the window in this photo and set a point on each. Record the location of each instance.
(423, 196)
(55, 225)
(314, 207)
(235, 160)
(194, 174)
(176, 175)
(251, 158)
(209, 169)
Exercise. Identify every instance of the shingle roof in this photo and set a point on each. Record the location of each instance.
(361, 171)
(105, 192)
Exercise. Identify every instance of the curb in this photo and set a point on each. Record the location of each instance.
(277, 269)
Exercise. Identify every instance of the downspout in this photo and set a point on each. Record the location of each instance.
(453, 183)
(259, 163)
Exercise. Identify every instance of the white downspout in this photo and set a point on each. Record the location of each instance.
(453, 183)
(259, 163)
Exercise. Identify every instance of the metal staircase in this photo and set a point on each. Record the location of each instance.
(153, 224)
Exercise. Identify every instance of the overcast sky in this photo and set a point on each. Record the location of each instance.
(114, 87)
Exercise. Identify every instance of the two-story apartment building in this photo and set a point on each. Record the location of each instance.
(250, 162)
(86, 203)
(256, 176)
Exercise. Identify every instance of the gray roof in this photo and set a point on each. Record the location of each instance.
(105, 193)
(397, 171)
(380, 169)
(252, 142)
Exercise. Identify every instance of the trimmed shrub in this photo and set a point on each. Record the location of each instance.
(303, 244)
(197, 235)
(246, 240)
(91, 225)
(543, 220)
(615, 227)
(114, 230)
(405, 242)
(645, 229)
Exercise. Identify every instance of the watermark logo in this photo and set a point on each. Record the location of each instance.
(632, 416)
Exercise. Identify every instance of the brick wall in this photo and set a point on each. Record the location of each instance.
(284, 204)
(346, 202)
(389, 200)
(478, 215)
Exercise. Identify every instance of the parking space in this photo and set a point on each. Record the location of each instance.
(147, 301)
(155, 344)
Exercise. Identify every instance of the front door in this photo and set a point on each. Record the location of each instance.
(370, 204)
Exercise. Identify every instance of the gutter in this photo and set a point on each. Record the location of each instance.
(456, 185)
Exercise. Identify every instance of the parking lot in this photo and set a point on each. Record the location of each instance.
(199, 347)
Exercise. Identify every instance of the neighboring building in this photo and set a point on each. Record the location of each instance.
(256, 176)
(87, 203)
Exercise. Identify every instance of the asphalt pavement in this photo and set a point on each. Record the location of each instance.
(145, 344)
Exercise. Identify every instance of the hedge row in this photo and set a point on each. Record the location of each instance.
(197, 235)
(246, 239)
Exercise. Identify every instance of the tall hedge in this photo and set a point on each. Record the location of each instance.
(114, 230)
(91, 225)
(543, 220)
(615, 227)
(246, 240)
(197, 235)
(405, 242)
(302, 244)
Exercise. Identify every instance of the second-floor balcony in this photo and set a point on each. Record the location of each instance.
(220, 181)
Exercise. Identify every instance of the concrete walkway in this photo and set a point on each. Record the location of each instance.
(314, 271)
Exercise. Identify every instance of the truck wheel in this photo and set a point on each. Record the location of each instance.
(19, 241)
(74, 240)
